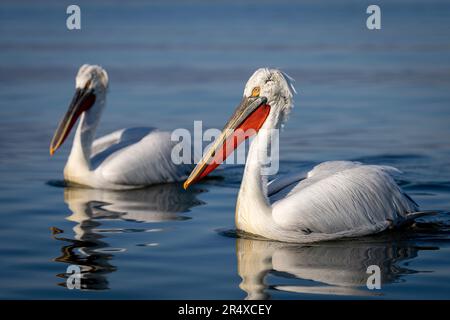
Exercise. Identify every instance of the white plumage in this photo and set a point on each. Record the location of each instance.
(124, 159)
(334, 200)
(340, 198)
(139, 157)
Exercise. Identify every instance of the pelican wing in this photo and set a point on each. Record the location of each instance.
(140, 161)
(342, 197)
(106, 145)
(280, 187)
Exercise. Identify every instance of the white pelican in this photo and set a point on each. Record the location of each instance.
(127, 158)
(336, 199)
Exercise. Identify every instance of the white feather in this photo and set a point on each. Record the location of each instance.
(145, 162)
(340, 196)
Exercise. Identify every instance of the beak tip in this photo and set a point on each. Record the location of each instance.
(186, 185)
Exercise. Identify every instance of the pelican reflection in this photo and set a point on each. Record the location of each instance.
(91, 208)
(334, 268)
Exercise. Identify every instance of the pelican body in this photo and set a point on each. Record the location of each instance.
(124, 159)
(335, 199)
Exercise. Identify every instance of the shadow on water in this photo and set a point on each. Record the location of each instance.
(336, 268)
(328, 268)
(89, 249)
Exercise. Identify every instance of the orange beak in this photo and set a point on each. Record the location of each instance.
(246, 121)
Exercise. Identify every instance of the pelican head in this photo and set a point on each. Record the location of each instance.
(268, 94)
(91, 84)
(274, 85)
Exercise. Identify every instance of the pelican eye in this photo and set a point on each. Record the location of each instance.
(255, 92)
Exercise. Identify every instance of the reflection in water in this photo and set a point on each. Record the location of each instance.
(337, 268)
(88, 249)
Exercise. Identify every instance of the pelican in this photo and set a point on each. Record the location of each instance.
(124, 159)
(335, 199)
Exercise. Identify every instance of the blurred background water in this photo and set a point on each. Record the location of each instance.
(373, 96)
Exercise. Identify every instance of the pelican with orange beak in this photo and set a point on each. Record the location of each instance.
(335, 199)
(125, 159)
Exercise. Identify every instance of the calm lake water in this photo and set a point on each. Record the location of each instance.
(373, 96)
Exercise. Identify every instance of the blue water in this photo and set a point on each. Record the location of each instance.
(373, 96)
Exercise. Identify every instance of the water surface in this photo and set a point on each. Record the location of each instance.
(373, 96)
